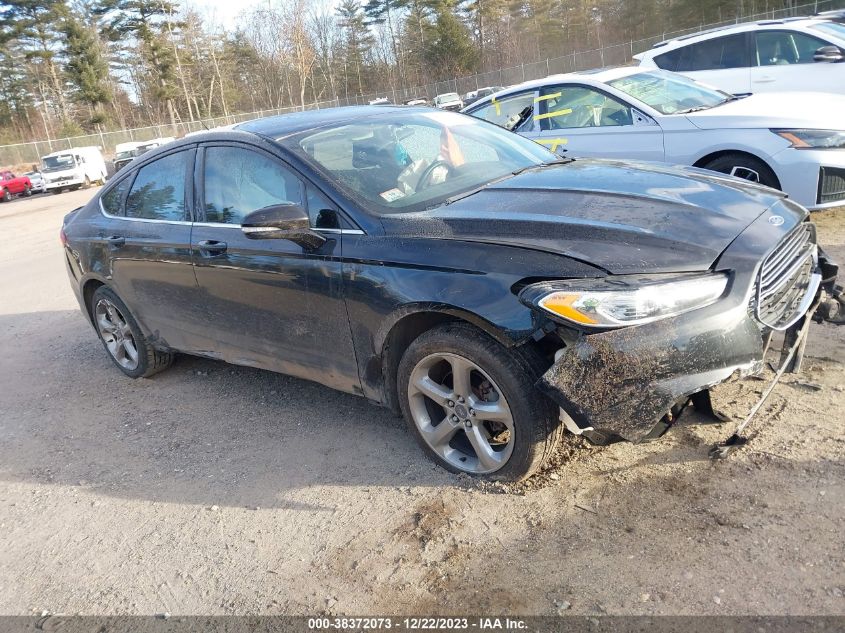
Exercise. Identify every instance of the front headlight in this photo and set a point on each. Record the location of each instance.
(618, 301)
(813, 139)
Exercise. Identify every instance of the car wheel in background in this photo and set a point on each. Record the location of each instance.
(5, 196)
(56, 191)
(472, 404)
(27, 190)
(123, 339)
(745, 167)
(87, 183)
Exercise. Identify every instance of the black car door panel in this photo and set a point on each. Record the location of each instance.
(266, 302)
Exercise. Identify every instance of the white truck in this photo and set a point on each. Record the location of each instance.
(73, 168)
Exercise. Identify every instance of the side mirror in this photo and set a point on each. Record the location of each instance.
(830, 54)
(287, 221)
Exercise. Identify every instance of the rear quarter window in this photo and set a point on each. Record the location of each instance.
(112, 200)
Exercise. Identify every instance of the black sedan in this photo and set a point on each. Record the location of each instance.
(491, 291)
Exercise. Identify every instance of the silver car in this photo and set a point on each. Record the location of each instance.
(37, 179)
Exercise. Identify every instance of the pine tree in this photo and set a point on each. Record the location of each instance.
(86, 67)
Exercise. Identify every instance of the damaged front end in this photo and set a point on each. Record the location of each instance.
(631, 382)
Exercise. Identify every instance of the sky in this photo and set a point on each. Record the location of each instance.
(222, 12)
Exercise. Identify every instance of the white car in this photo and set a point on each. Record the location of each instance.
(448, 101)
(796, 54)
(37, 180)
(791, 141)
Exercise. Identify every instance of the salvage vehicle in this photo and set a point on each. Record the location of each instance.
(631, 113)
(36, 178)
(448, 269)
(448, 101)
(11, 185)
(789, 55)
(73, 169)
(124, 153)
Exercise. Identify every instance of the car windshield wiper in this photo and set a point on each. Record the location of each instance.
(707, 107)
(515, 172)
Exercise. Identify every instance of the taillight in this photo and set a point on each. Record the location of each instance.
(62, 236)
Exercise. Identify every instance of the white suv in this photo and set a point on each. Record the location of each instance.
(795, 54)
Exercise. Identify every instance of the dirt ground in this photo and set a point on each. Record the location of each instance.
(214, 489)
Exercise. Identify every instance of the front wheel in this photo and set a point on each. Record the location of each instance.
(123, 339)
(472, 404)
(27, 190)
(5, 196)
(86, 183)
(745, 167)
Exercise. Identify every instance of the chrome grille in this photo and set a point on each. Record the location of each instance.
(787, 279)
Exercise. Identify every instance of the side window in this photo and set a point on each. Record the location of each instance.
(669, 61)
(778, 48)
(239, 181)
(730, 51)
(112, 198)
(158, 192)
(322, 211)
(500, 110)
(578, 107)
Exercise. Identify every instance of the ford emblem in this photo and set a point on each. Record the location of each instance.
(776, 220)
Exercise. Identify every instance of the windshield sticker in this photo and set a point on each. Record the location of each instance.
(392, 195)
(545, 97)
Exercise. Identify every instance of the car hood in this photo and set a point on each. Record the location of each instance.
(621, 217)
(818, 111)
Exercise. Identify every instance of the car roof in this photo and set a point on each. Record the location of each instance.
(286, 124)
(589, 77)
(700, 36)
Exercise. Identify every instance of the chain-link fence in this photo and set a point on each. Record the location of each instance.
(612, 55)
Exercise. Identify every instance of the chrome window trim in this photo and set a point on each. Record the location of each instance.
(212, 225)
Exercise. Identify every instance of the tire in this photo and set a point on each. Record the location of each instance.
(27, 190)
(742, 165)
(5, 196)
(56, 191)
(501, 384)
(86, 183)
(116, 326)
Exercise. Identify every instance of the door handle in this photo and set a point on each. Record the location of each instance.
(116, 241)
(212, 248)
(764, 79)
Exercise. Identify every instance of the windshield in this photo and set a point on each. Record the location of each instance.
(130, 153)
(57, 163)
(669, 93)
(449, 96)
(411, 161)
(831, 28)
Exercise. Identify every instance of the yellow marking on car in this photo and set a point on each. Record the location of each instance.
(498, 107)
(544, 97)
(549, 115)
(553, 143)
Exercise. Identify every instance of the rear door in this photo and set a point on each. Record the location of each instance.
(505, 110)
(268, 302)
(146, 239)
(722, 62)
(783, 61)
(589, 122)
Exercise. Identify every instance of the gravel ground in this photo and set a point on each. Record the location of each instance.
(214, 489)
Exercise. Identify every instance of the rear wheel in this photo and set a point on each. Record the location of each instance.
(5, 196)
(472, 404)
(745, 167)
(86, 183)
(27, 190)
(123, 339)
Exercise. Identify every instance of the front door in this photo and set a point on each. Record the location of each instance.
(267, 303)
(588, 122)
(784, 62)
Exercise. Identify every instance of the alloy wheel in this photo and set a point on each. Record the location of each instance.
(116, 334)
(461, 413)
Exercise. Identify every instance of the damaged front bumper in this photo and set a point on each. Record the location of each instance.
(631, 382)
